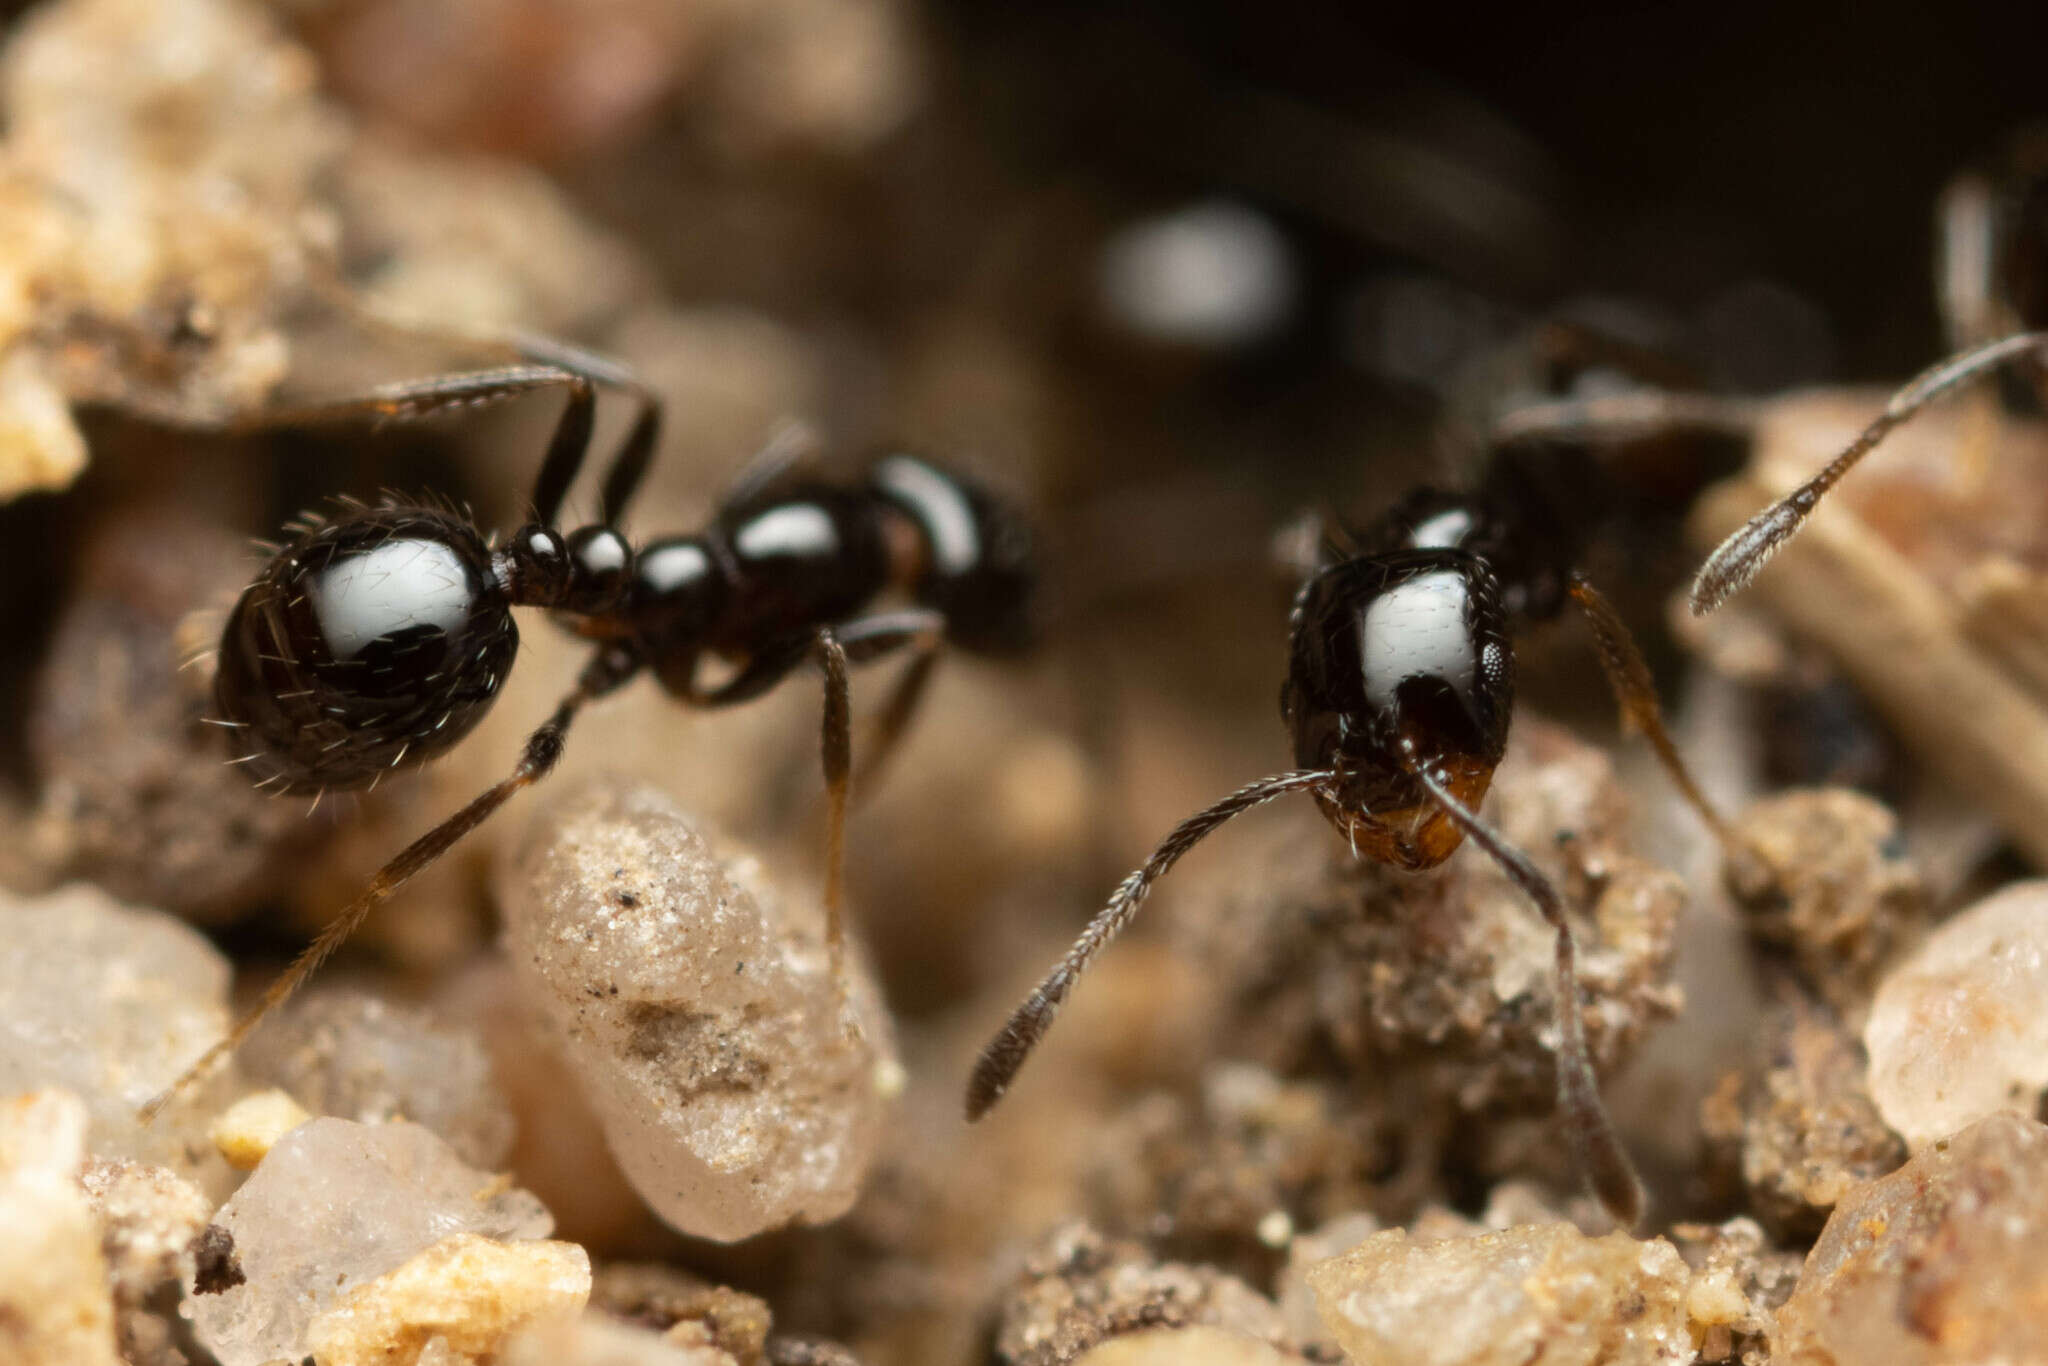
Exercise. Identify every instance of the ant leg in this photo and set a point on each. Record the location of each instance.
(1624, 417)
(1594, 1144)
(1006, 1053)
(1736, 560)
(543, 751)
(791, 443)
(856, 641)
(473, 389)
(635, 452)
(1629, 677)
(919, 630)
(834, 649)
(836, 746)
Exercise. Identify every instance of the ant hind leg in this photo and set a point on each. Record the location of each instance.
(542, 752)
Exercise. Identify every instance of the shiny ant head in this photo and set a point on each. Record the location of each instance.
(378, 639)
(1407, 648)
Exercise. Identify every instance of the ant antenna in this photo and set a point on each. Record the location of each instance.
(1594, 1144)
(1736, 560)
(1006, 1053)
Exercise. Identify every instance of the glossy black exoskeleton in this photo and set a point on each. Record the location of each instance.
(378, 639)
(1399, 692)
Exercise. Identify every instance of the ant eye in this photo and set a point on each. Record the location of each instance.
(376, 640)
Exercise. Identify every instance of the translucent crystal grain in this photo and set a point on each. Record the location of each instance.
(111, 1003)
(336, 1204)
(697, 1006)
(351, 1054)
(1956, 1031)
(1508, 1298)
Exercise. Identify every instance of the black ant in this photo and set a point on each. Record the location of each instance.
(1399, 691)
(378, 639)
(1995, 276)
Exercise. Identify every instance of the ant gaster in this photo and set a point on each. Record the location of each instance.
(378, 639)
(1399, 691)
(1994, 268)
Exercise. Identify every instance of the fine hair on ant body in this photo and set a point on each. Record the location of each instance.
(379, 638)
(1399, 693)
(1994, 274)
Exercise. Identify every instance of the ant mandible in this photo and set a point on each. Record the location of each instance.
(1995, 266)
(378, 639)
(1399, 691)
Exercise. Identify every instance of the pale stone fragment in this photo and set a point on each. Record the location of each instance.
(112, 1003)
(1957, 1031)
(147, 1217)
(333, 1205)
(347, 1053)
(457, 1302)
(1507, 1298)
(697, 1006)
(594, 1340)
(1938, 1263)
(55, 1309)
(247, 1130)
(1196, 1345)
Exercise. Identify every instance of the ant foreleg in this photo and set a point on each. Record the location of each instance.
(1738, 559)
(635, 452)
(1629, 677)
(1594, 1144)
(1006, 1053)
(543, 751)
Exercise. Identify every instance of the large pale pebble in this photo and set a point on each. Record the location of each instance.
(1959, 1030)
(695, 1002)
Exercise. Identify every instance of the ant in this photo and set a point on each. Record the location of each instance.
(1399, 692)
(1994, 264)
(378, 638)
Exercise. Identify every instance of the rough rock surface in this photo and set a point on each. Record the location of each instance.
(1082, 1289)
(112, 1003)
(697, 1006)
(1228, 1175)
(357, 1056)
(336, 1204)
(1438, 986)
(158, 175)
(1196, 1345)
(1799, 1127)
(1940, 1262)
(453, 1305)
(135, 792)
(1508, 1298)
(147, 1218)
(1957, 1030)
(54, 1306)
(1739, 1280)
(1831, 885)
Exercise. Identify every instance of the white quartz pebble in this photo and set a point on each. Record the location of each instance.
(336, 1204)
(111, 1002)
(696, 1005)
(1959, 1030)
